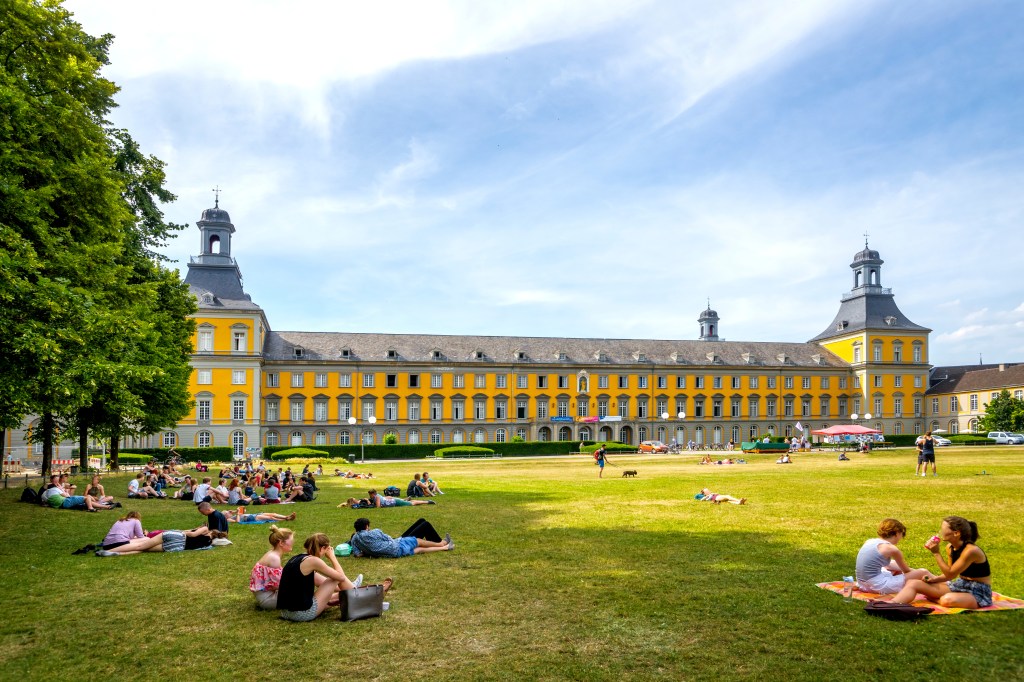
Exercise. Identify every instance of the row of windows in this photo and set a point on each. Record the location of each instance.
(239, 340)
(954, 401)
(897, 351)
(238, 376)
(565, 407)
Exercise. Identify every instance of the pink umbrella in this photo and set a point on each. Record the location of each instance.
(844, 430)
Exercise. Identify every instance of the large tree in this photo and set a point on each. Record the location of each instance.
(79, 225)
(1003, 413)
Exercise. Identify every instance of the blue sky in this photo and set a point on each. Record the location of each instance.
(595, 169)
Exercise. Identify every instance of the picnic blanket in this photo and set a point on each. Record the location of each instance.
(999, 602)
(253, 523)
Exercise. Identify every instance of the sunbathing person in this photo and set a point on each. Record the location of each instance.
(168, 541)
(124, 530)
(376, 543)
(966, 580)
(705, 495)
(785, 459)
(881, 567)
(706, 459)
(58, 498)
(265, 577)
(376, 500)
(95, 489)
(234, 517)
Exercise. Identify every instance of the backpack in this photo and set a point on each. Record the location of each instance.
(29, 495)
(596, 455)
(392, 491)
(893, 611)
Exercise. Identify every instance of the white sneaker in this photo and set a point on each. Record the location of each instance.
(358, 582)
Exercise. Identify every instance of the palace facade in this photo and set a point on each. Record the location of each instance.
(256, 387)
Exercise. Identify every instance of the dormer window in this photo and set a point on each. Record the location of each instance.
(678, 358)
(562, 356)
(817, 358)
(208, 298)
(640, 357)
(436, 355)
(601, 356)
(520, 355)
(298, 353)
(479, 355)
(392, 354)
(346, 353)
(713, 358)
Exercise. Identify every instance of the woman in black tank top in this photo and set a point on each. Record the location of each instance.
(308, 583)
(966, 580)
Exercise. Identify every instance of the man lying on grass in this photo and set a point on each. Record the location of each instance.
(377, 544)
(705, 495)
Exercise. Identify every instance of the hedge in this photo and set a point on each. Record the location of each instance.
(610, 447)
(462, 450)
(298, 453)
(421, 450)
(215, 454)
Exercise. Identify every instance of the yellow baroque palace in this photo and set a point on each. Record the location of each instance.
(256, 387)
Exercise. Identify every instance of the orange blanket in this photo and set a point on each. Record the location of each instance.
(999, 602)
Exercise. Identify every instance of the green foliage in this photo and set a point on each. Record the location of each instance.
(421, 450)
(1003, 413)
(610, 447)
(969, 439)
(390, 439)
(462, 451)
(518, 439)
(294, 453)
(214, 454)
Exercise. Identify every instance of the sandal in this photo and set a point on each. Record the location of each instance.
(387, 583)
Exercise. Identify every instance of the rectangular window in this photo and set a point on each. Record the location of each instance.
(1018, 395)
(298, 379)
(681, 381)
(856, 406)
(500, 381)
(368, 379)
(563, 407)
(623, 381)
(602, 408)
(205, 344)
(583, 408)
(918, 381)
(917, 407)
(238, 341)
(898, 381)
(435, 381)
(391, 380)
(753, 382)
(897, 407)
(641, 381)
(458, 410)
(563, 381)
(954, 404)
(842, 382)
(542, 381)
(856, 382)
(735, 383)
(698, 382)
(897, 354)
(414, 381)
(542, 409)
(390, 410)
(770, 408)
(878, 407)
(805, 382)
(602, 381)
(320, 410)
(345, 380)
(771, 383)
(843, 412)
(479, 381)
(369, 409)
(273, 409)
(204, 376)
(414, 410)
(662, 407)
(878, 381)
(856, 353)
(522, 409)
(974, 402)
(662, 382)
(877, 353)
(716, 382)
(297, 410)
(273, 380)
(788, 382)
(521, 381)
(641, 409)
(716, 408)
(203, 409)
(755, 408)
(698, 407)
(344, 410)
(238, 376)
(824, 407)
(788, 407)
(917, 353)
(734, 407)
(825, 381)
(624, 408)
(480, 409)
(436, 410)
(805, 408)
(458, 381)
(680, 405)
(500, 409)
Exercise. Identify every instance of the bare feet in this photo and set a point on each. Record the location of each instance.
(387, 583)
(290, 517)
(743, 500)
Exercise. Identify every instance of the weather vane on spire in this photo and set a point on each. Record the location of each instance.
(216, 196)
(865, 240)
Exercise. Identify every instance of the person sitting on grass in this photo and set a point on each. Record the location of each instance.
(705, 495)
(265, 577)
(299, 597)
(138, 489)
(785, 459)
(215, 520)
(124, 530)
(881, 567)
(271, 491)
(966, 580)
(95, 489)
(57, 497)
(706, 459)
(235, 493)
(301, 492)
(186, 491)
(200, 467)
(168, 541)
(233, 516)
(376, 500)
(417, 488)
(377, 544)
(431, 484)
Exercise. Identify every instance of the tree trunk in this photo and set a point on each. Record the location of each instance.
(83, 441)
(115, 446)
(3, 450)
(46, 424)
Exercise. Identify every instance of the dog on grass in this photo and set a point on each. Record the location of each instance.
(629, 472)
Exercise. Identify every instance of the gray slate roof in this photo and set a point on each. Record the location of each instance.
(868, 311)
(961, 378)
(327, 346)
(223, 281)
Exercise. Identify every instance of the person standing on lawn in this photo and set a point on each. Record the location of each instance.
(925, 454)
(601, 455)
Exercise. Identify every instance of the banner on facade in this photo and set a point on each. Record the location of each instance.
(611, 419)
(561, 419)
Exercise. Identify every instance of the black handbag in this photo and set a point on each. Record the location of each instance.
(893, 611)
(362, 602)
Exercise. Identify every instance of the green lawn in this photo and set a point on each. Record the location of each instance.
(556, 575)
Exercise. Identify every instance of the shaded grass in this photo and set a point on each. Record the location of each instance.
(556, 575)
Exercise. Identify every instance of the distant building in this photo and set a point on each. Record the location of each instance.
(958, 395)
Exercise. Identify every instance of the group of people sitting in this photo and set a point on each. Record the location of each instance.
(964, 578)
(277, 488)
(59, 493)
(421, 485)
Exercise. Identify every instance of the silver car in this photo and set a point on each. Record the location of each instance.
(1006, 438)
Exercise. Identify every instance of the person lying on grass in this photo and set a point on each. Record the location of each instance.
(376, 500)
(57, 497)
(881, 567)
(299, 596)
(705, 495)
(124, 530)
(168, 541)
(966, 580)
(234, 517)
(377, 544)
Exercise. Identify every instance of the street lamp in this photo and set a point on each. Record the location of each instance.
(362, 436)
(682, 416)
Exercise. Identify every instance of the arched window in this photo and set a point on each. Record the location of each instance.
(544, 434)
(238, 444)
(789, 430)
(414, 436)
(698, 435)
(458, 436)
(479, 436)
(897, 428)
(320, 438)
(584, 433)
(735, 437)
(499, 436)
(641, 433)
(917, 428)
(272, 438)
(972, 426)
(661, 433)
(344, 438)
(392, 432)
(204, 439)
(295, 438)
(681, 435)
(718, 435)
(435, 436)
(521, 433)
(753, 433)
(170, 439)
(564, 433)
(369, 437)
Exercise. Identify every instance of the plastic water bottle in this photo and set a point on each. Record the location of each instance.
(848, 588)
(386, 606)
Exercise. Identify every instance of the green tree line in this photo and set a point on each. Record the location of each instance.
(95, 333)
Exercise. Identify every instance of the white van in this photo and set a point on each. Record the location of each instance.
(1004, 438)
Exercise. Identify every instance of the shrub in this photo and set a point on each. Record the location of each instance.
(609, 447)
(295, 453)
(390, 439)
(218, 454)
(518, 439)
(462, 450)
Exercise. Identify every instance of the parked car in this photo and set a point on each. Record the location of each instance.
(939, 440)
(1006, 438)
(653, 446)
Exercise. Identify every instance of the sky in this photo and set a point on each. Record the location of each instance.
(588, 168)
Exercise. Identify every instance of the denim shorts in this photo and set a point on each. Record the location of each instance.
(981, 592)
(407, 546)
